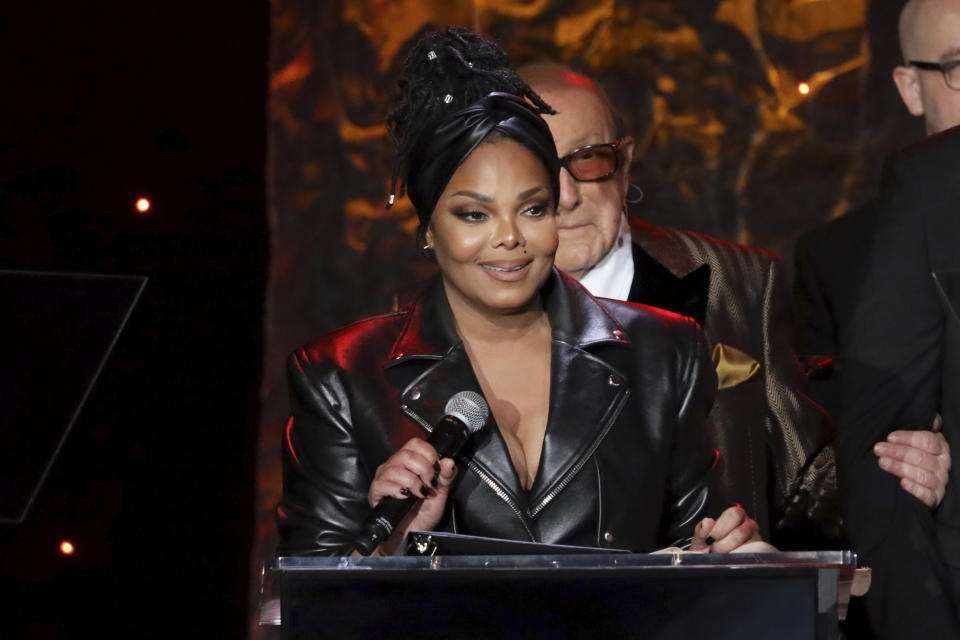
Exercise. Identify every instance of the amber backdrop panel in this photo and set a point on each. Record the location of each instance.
(728, 144)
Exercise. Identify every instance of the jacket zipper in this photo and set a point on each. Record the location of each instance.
(416, 418)
(583, 460)
(487, 480)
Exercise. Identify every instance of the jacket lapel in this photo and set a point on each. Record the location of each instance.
(435, 367)
(575, 428)
(663, 247)
(948, 284)
(665, 273)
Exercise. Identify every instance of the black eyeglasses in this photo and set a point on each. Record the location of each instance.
(594, 162)
(949, 69)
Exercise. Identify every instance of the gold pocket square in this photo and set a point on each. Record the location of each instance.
(733, 366)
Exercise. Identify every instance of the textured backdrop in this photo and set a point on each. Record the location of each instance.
(727, 143)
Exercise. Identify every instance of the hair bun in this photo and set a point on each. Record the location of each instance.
(447, 71)
(454, 62)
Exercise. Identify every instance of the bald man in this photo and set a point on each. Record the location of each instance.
(775, 456)
(874, 286)
(830, 261)
(929, 79)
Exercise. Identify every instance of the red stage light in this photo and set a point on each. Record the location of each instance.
(67, 548)
(143, 205)
(803, 88)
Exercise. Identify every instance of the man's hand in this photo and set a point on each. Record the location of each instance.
(921, 459)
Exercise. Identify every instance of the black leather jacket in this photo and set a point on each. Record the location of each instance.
(625, 457)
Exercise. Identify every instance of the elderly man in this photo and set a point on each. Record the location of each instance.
(761, 423)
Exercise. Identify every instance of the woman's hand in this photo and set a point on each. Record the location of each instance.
(414, 470)
(733, 531)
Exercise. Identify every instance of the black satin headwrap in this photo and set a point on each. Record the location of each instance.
(440, 151)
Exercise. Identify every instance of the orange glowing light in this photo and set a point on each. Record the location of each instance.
(67, 548)
(803, 88)
(143, 205)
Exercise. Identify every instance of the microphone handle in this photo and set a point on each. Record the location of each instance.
(448, 437)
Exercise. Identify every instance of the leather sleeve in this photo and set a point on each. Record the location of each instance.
(324, 480)
(692, 458)
(799, 432)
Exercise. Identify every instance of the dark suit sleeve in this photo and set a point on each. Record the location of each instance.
(324, 481)
(892, 382)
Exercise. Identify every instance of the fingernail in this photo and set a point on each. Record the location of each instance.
(884, 462)
(434, 482)
(709, 540)
(425, 491)
(436, 466)
(406, 492)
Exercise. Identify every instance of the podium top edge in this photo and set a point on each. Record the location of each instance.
(845, 560)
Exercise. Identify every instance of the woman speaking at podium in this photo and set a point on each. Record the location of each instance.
(596, 431)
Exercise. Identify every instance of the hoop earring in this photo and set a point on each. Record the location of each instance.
(638, 198)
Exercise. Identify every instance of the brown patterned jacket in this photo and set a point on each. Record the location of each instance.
(777, 459)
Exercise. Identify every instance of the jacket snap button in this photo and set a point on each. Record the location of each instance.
(614, 380)
(415, 393)
(397, 356)
(617, 334)
(608, 537)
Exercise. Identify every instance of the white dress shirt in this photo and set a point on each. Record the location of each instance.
(613, 276)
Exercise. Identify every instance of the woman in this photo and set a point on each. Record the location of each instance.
(596, 434)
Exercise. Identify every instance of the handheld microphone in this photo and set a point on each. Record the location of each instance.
(466, 412)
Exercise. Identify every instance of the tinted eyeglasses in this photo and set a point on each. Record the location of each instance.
(594, 162)
(949, 69)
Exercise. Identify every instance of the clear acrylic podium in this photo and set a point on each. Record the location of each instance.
(664, 596)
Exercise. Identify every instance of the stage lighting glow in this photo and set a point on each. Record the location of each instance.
(143, 205)
(803, 88)
(67, 548)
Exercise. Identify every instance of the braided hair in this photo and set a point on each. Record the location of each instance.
(444, 72)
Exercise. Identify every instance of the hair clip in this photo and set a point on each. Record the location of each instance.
(469, 64)
(391, 200)
(431, 55)
(447, 99)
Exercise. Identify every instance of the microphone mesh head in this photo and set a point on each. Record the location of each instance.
(470, 407)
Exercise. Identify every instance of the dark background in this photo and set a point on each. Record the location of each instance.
(104, 102)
